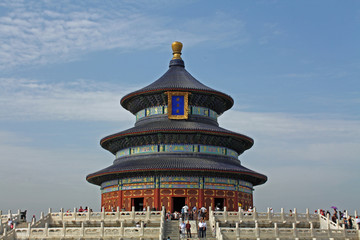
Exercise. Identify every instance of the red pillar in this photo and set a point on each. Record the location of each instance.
(236, 204)
(157, 203)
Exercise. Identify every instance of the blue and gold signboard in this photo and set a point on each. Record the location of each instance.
(178, 107)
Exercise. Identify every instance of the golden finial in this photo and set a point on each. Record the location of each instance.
(176, 47)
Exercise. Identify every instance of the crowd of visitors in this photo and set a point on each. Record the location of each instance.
(187, 214)
(340, 216)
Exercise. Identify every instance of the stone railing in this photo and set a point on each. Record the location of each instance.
(14, 217)
(279, 233)
(92, 225)
(162, 224)
(88, 232)
(326, 222)
(295, 222)
(4, 220)
(245, 216)
(118, 216)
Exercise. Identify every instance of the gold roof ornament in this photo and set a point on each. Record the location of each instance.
(176, 47)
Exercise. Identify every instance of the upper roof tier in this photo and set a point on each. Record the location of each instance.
(177, 79)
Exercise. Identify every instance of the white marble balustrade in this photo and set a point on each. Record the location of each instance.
(106, 216)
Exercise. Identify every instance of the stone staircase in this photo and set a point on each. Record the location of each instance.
(171, 228)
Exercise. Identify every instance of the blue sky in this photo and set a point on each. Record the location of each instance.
(292, 68)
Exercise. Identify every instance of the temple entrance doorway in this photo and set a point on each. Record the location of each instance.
(138, 203)
(219, 203)
(178, 203)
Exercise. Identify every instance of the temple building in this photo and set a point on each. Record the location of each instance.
(176, 153)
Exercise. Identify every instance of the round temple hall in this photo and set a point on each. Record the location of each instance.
(176, 153)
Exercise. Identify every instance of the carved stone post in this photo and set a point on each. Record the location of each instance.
(82, 229)
(269, 214)
(312, 234)
(29, 230)
(64, 229)
(257, 230)
(88, 214)
(225, 215)
(121, 229)
(103, 214)
(294, 230)
(255, 214)
(307, 215)
(237, 230)
(75, 213)
(46, 229)
(142, 228)
(295, 215)
(282, 214)
(133, 212)
(102, 229)
(276, 229)
(148, 213)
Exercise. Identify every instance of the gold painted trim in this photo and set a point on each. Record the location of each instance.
(186, 105)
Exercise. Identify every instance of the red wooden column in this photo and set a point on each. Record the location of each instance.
(236, 205)
(157, 202)
(201, 193)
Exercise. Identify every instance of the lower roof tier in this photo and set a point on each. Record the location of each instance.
(196, 164)
(176, 131)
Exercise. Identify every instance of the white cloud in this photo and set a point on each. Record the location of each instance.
(23, 99)
(45, 32)
(307, 158)
(36, 178)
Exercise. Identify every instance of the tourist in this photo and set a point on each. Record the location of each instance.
(188, 229)
(249, 210)
(199, 214)
(182, 227)
(291, 212)
(334, 218)
(185, 212)
(10, 223)
(194, 211)
(203, 212)
(200, 229)
(168, 238)
(346, 223)
(138, 225)
(168, 216)
(33, 220)
(358, 221)
(204, 229)
(271, 210)
(80, 209)
(350, 222)
(176, 215)
(328, 214)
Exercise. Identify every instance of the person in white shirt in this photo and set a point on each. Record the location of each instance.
(200, 229)
(204, 229)
(185, 210)
(182, 226)
(357, 221)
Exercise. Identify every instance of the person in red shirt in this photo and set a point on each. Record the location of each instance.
(188, 229)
